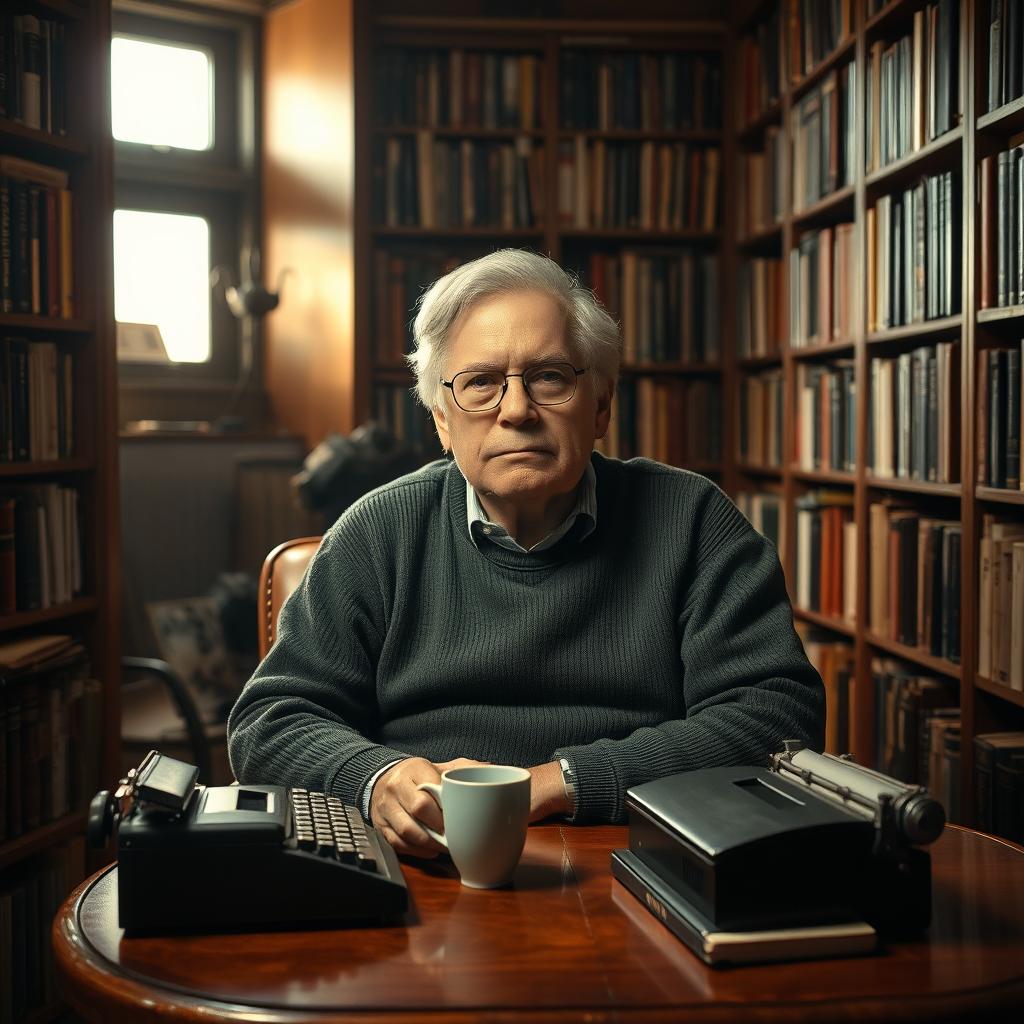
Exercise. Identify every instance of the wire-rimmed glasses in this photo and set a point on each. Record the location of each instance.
(483, 390)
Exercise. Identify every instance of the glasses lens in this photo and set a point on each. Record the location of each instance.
(551, 383)
(475, 390)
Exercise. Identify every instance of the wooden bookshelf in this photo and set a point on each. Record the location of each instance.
(978, 133)
(92, 616)
(370, 365)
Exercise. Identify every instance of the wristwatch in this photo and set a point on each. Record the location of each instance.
(569, 781)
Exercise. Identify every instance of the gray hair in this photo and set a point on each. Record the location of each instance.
(593, 333)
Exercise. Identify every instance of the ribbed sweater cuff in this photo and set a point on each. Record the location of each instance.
(352, 775)
(598, 796)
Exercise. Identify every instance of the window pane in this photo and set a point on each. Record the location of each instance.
(162, 277)
(161, 94)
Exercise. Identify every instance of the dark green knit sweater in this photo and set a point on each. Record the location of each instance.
(661, 643)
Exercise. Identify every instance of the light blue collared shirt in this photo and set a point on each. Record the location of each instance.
(586, 505)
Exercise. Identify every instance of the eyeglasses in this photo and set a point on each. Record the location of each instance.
(483, 390)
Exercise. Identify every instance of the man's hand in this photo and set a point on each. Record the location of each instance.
(397, 807)
(547, 792)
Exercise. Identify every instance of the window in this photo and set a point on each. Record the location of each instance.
(185, 185)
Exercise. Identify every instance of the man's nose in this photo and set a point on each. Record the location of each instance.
(516, 406)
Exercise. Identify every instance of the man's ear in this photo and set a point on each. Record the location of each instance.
(603, 412)
(441, 423)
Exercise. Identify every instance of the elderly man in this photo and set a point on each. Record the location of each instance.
(529, 602)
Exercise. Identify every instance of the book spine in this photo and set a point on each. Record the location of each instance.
(1013, 366)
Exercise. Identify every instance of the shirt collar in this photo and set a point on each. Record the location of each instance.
(481, 529)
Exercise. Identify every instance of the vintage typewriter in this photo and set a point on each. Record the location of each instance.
(193, 857)
(812, 856)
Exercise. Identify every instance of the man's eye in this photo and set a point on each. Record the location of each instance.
(482, 380)
(549, 377)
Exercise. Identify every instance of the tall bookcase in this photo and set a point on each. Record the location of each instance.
(866, 343)
(78, 144)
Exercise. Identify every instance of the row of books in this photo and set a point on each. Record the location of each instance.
(834, 660)
(761, 184)
(656, 92)
(826, 416)
(33, 72)
(917, 730)
(914, 426)
(674, 421)
(761, 418)
(424, 181)
(49, 742)
(30, 896)
(915, 579)
(40, 547)
(36, 401)
(668, 186)
(999, 784)
(821, 301)
(814, 29)
(396, 407)
(826, 554)
(399, 279)
(1001, 601)
(458, 89)
(999, 418)
(760, 312)
(822, 137)
(914, 240)
(913, 85)
(1005, 51)
(1002, 228)
(36, 263)
(766, 511)
(760, 71)
(667, 304)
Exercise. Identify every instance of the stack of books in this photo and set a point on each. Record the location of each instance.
(761, 308)
(37, 414)
(760, 69)
(997, 447)
(396, 407)
(826, 399)
(761, 417)
(821, 300)
(33, 89)
(1002, 228)
(761, 185)
(1001, 602)
(999, 784)
(1005, 52)
(767, 514)
(834, 660)
(826, 552)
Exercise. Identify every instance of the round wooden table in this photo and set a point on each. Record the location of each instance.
(566, 942)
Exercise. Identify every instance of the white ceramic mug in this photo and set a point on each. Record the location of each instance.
(486, 812)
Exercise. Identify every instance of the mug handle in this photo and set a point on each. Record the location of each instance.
(435, 791)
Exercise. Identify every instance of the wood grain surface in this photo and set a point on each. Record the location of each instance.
(565, 942)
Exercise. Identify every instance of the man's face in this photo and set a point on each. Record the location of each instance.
(520, 452)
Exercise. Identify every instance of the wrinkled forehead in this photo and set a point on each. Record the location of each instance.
(508, 329)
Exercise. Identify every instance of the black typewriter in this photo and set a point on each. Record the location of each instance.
(193, 857)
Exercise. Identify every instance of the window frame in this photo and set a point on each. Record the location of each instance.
(219, 184)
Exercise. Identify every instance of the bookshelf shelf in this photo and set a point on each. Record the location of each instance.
(827, 621)
(822, 476)
(455, 132)
(759, 362)
(751, 133)
(930, 157)
(639, 135)
(1004, 120)
(915, 655)
(66, 8)
(18, 620)
(844, 50)
(61, 466)
(1000, 690)
(770, 239)
(833, 208)
(1001, 314)
(923, 329)
(676, 369)
(456, 233)
(770, 472)
(886, 483)
(40, 144)
(642, 235)
(818, 351)
(42, 838)
(50, 324)
(999, 495)
(879, 20)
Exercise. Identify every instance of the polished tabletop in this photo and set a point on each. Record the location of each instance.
(565, 941)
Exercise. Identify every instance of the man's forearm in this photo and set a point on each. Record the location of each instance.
(547, 792)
